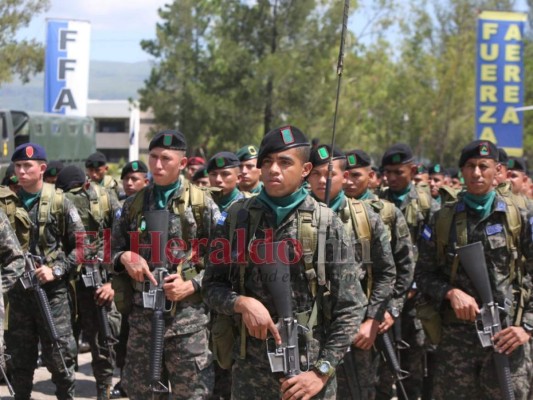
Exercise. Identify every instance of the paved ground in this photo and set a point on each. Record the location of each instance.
(43, 388)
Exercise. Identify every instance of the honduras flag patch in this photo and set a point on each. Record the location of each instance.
(222, 218)
(426, 232)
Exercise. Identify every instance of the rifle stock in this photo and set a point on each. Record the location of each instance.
(472, 257)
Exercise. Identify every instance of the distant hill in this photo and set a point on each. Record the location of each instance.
(107, 81)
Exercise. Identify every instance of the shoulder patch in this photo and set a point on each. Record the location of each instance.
(494, 229)
(73, 214)
(501, 206)
(118, 213)
(426, 232)
(222, 218)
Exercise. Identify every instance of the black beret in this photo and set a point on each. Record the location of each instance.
(517, 164)
(281, 139)
(169, 139)
(398, 153)
(421, 169)
(53, 168)
(224, 159)
(478, 149)
(357, 159)
(133, 166)
(200, 173)
(321, 154)
(437, 169)
(96, 160)
(452, 172)
(70, 177)
(10, 177)
(247, 153)
(503, 158)
(29, 151)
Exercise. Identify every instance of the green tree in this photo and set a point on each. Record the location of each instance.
(20, 58)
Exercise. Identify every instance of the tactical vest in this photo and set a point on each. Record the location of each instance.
(513, 226)
(17, 215)
(51, 202)
(93, 216)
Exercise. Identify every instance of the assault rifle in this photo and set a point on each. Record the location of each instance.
(472, 257)
(384, 343)
(4, 359)
(285, 357)
(29, 281)
(154, 297)
(92, 278)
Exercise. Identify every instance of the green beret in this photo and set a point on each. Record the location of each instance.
(247, 153)
(281, 139)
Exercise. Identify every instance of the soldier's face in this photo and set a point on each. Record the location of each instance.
(436, 181)
(226, 179)
(191, 170)
(421, 178)
(479, 174)
(29, 173)
(166, 165)
(318, 176)
(518, 181)
(284, 172)
(202, 182)
(250, 174)
(357, 181)
(97, 174)
(399, 176)
(133, 182)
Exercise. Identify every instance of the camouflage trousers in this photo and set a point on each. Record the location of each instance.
(528, 347)
(465, 370)
(252, 377)
(187, 361)
(102, 361)
(362, 378)
(27, 328)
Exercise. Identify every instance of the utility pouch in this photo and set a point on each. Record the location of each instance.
(223, 336)
(430, 318)
(121, 284)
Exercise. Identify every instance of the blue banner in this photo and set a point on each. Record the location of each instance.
(66, 80)
(500, 79)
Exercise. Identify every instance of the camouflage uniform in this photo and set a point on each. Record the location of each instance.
(402, 252)
(412, 359)
(187, 359)
(12, 265)
(377, 279)
(85, 305)
(26, 326)
(252, 376)
(464, 369)
(112, 186)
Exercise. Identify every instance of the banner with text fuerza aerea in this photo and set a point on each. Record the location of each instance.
(66, 83)
(500, 79)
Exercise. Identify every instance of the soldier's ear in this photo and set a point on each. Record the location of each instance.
(307, 167)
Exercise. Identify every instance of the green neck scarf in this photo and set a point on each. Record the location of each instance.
(399, 197)
(282, 206)
(225, 201)
(29, 199)
(257, 189)
(162, 194)
(480, 204)
(366, 195)
(438, 199)
(338, 201)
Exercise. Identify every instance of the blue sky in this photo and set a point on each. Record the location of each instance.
(118, 26)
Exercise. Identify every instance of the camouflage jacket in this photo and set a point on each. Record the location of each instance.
(60, 236)
(381, 273)
(221, 284)
(81, 198)
(190, 315)
(433, 276)
(10, 253)
(402, 252)
(415, 215)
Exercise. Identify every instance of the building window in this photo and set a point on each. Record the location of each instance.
(112, 125)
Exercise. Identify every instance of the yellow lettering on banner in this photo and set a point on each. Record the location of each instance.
(511, 94)
(488, 115)
(512, 52)
(489, 29)
(488, 73)
(510, 116)
(511, 73)
(487, 93)
(513, 33)
(489, 55)
(488, 134)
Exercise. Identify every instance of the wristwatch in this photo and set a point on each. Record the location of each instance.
(528, 328)
(394, 312)
(324, 368)
(57, 271)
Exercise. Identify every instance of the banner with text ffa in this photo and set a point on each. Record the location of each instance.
(66, 83)
(500, 79)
